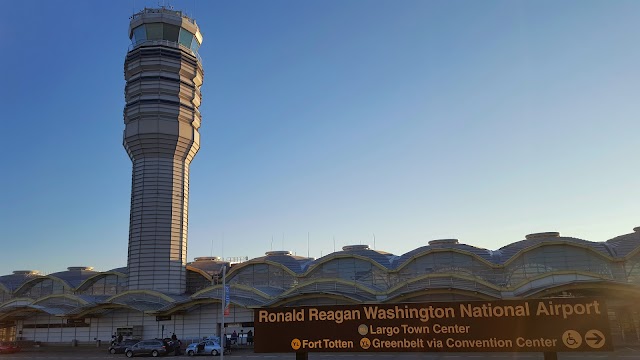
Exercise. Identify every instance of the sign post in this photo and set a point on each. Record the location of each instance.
(227, 300)
(533, 325)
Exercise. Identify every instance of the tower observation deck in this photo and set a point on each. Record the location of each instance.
(164, 75)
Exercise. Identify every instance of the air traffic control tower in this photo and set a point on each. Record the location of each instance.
(164, 75)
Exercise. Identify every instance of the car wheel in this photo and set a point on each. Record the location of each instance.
(154, 353)
(190, 353)
(129, 353)
(214, 352)
(112, 351)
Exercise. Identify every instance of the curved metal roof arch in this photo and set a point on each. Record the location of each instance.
(31, 283)
(97, 277)
(428, 250)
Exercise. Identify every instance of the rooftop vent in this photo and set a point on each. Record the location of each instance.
(80, 268)
(208, 258)
(355, 247)
(278, 252)
(26, 272)
(444, 242)
(542, 235)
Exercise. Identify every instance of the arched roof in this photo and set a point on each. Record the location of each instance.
(120, 270)
(547, 281)
(89, 281)
(57, 305)
(331, 285)
(143, 300)
(515, 249)
(410, 296)
(381, 257)
(350, 298)
(17, 302)
(626, 245)
(315, 266)
(446, 281)
(93, 299)
(67, 297)
(34, 281)
(614, 289)
(74, 276)
(484, 255)
(238, 294)
(208, 266)
(295, 264)
(17, 279)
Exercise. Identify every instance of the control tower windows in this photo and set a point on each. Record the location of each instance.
(154, 31)
(139, 35)
(162, 31)
(195, 45)
(185, 38)
(170, 32)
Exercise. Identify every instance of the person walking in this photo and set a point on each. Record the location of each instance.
(175, 344)
(177, 348)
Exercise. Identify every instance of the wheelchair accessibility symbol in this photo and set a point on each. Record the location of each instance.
(572, 339)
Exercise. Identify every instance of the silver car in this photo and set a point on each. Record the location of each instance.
(207, 347)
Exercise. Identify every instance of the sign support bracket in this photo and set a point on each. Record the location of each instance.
(550, 356)
(305, 356)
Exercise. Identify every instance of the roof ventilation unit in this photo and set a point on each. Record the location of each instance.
(80, 268)
(444, 242)
(542, 235)
(278, 252)
(355, 247)
(208, 258)
(26, 272)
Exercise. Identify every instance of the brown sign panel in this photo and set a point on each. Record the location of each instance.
(534, 325)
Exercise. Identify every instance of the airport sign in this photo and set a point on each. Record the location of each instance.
(532, 325)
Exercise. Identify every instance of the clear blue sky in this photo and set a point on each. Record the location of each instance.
(411, 120)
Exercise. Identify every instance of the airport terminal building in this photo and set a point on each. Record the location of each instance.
(159, 293)
(84, 305)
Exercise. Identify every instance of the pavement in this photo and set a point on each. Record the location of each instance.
(86, 352)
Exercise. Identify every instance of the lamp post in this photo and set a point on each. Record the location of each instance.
(223, 336)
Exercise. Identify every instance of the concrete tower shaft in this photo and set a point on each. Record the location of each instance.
(161, 117)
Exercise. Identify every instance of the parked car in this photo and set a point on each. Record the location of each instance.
(9, 348)
(206, 347)
(120, 347)
(155, 347)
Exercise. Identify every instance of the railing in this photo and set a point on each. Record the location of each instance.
(162, 10)
(173, 44)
